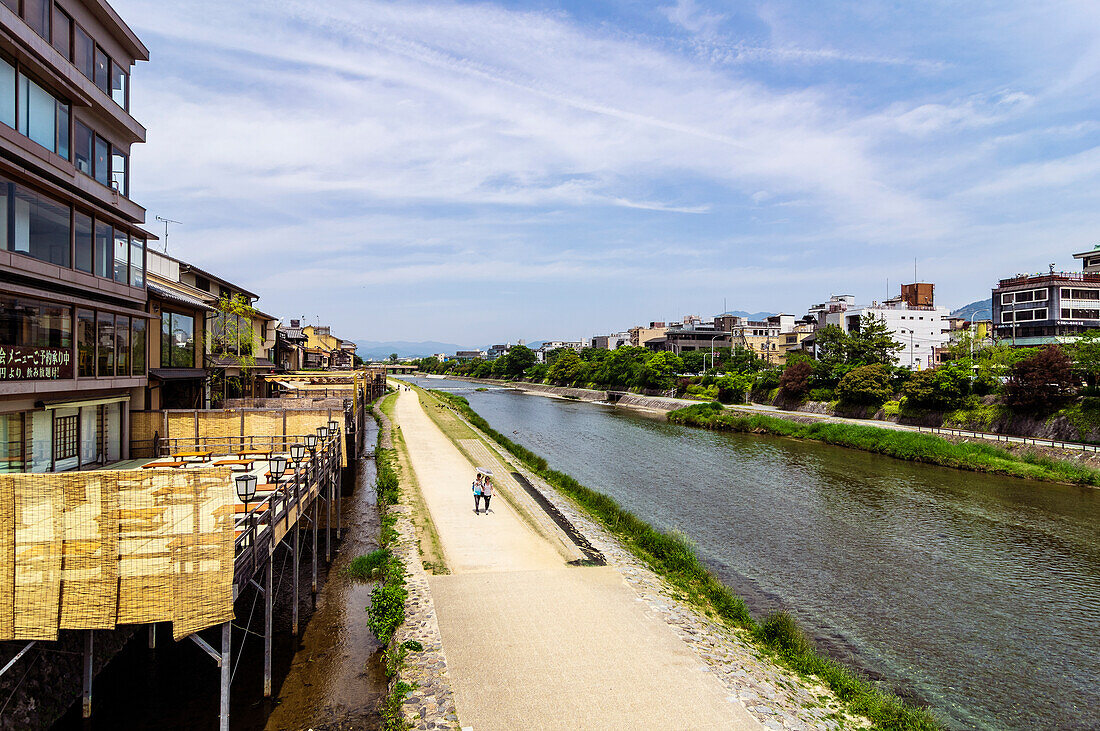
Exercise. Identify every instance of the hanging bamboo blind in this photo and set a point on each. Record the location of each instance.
(90, 550)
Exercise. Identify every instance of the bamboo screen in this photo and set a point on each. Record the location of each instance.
(91, 550)
(225, 426)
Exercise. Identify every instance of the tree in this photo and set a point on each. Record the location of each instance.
(694, 360)
(743, 360)
(872, 344)
(659, 370)
(1042, 383)
(393, 357)
(518, 360)
(568, 367)
(794, 383)
(231, 337)
(866, 385)
(943, 388)
(1085, 353)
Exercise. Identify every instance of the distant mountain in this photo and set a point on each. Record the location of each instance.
(982, 308)
(380, 350)
(755, 316)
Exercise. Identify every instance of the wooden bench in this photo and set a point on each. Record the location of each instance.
(202, 455)
(242, 453)
(246, 463)
(155, 465)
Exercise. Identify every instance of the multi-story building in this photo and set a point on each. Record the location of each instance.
(691, 336)
(465, 356)
(551, 345)
(1048, 308)
(178, 313)
(73, 325)
(912, 318)
(639, 335)
(290, 344)
(613, 341)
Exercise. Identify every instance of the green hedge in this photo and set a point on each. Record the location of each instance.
(900, 444)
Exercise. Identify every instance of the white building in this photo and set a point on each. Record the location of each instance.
(551, 345)
(912, 319)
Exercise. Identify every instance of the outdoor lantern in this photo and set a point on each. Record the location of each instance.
(278, 467)
(297, 451)
(334, 427)
(246, 489)
(311, 441)
(322, 432)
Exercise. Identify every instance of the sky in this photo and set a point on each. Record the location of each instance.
(478, 172)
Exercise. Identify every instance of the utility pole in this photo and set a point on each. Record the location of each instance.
(167, 221)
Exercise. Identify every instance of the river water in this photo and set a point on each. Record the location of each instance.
(974, 594)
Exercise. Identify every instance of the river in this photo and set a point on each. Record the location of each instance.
(974, 594)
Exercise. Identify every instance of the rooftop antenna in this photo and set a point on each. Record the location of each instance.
(914, 270)
(167, 221)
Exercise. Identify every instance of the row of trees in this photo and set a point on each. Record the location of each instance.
(857, 368)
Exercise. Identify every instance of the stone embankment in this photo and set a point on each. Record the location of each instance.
(430, 705)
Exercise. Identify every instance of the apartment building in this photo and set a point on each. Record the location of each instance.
(913, 320)
(1048, 308)
(640, 335)
(73, 321)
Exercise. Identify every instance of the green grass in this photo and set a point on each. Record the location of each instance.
(393, 717)
(672, 556)
(906, 445)
(368, 567)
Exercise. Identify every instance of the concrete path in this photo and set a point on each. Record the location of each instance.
(532, 643)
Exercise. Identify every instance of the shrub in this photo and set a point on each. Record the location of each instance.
(387, 610)
(822, 394)
(795, 381)
(1041, 383)
(866, 385)
(943, 388)
(368, 567)
(781, 632)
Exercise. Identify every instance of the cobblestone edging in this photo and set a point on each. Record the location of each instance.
(430, 705)
(776, 697)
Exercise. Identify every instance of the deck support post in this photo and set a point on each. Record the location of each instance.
(313, 556)
(339, 495)
(328, 518)
(88, 647)
(294, 560)
(268, 571)
(223, 707)
(152, 637)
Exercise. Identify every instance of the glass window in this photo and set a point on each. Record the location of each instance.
(122, 345)
(119, 178)
(106, 341)
(11, 443)
(31, 323)
(5, 206)
(84, 246)
(177, 336)
(102, 76)
(103, 257)
(37, 15)
(83, 52)
(101, 163)
(122, 257)
(7, 93)
(64, 436)
(120, 86)
(13, 5)
(62, 32)
(137, 346)
(85, 343)
(137, 262)
(62, 130)
(82, 148)
(41, 227)
(89, 434)
(37, 113)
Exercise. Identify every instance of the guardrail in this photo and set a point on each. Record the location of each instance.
(1011, 439)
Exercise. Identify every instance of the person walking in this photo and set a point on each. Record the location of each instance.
(486, 492)
(477, 493)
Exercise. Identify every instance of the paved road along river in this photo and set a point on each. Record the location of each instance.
(978, 595)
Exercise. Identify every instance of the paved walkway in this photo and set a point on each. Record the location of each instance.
(533, 643)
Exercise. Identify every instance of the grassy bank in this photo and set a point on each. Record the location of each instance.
(672, 557)
(387, 600)
(907, 445)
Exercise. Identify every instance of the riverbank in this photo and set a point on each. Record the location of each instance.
(899, 444)
(970, 452)
(774, 646)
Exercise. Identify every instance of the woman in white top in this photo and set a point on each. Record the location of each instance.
(486, 492)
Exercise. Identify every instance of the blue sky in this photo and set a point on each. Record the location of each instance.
(484, 172)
